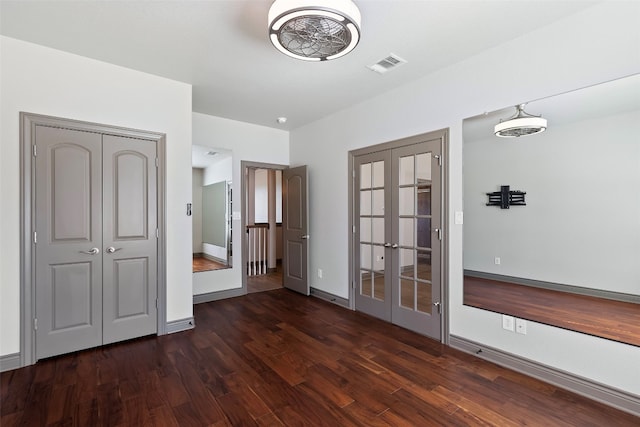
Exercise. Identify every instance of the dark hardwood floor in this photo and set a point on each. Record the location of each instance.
(201, 264)
(265, 282)
(278, 358)
(605, 318)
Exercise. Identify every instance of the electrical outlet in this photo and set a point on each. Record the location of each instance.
(508, 322)
(521, 326)
(319, 273)
(496, 260)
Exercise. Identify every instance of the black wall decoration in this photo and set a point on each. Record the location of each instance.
(505, 198)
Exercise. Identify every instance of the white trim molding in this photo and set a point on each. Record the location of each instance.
(329, 297)
(9, 362)
(180, 325)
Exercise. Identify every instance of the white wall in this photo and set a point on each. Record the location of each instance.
(219, 171)
(41, 80)
(581, 225)
(261, 196)
(196, 210)
(596, 45)
(248, 142)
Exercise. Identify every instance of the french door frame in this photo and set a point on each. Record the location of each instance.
(28, 123)
(443, 135)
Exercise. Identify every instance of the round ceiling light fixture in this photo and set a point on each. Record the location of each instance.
(522, 124)
(314, 30)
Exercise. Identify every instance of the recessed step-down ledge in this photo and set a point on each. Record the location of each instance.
(602, 393)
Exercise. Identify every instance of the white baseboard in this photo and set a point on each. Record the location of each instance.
(180, 325)
(602, 393)
(329, 297)
(218, 295)
(9, 362)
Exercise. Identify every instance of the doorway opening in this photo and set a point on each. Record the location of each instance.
(263, 228)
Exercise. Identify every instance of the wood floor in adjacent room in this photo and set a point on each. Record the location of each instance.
(278, 358)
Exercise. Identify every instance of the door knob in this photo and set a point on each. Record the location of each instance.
(305, 237)
(394, 246)
(387, 245)
(93, 251)
(111, 249)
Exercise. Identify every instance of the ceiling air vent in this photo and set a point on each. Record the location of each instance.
(387, 64)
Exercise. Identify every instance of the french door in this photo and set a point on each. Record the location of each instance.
(398, 232)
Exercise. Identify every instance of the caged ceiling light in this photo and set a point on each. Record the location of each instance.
(314, 30)
(522, 124)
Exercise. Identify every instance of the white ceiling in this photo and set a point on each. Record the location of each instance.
(203, 157)
(221, 47)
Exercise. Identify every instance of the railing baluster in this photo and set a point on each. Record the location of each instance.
(257, 249)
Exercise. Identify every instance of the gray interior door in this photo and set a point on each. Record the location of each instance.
(416, 235)
(373, 234)
(68, 249)
(96, 247)
(397, 239)
(130, 242)
(295, 223)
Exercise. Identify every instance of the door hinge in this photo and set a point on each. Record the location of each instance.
(353, 174)
(438, 157)
(35, 237)
(157, 233)
(156, 303)
(354, 229)
(157, 162)
(35, 151)
(35, 324)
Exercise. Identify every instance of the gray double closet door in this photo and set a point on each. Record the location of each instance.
(95, 218)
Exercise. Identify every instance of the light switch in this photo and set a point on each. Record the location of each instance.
(458, 217)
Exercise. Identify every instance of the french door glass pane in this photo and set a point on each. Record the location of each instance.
(407, 294)
(424, 265)
(365, 229)
(378, 230)
(424, 232)
(406, 174)
(366, 283)
(405, 200)
(406, 262)
(378, 202)
(424, 200)
(378, 258)
(423, 291)
(406, 232)
(365, 176)
(423, 168)
(378, 174)
(378, 286)
(365, 202)
(365, 256)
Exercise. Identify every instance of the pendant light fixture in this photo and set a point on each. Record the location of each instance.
(314, 30)
(522, 124)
